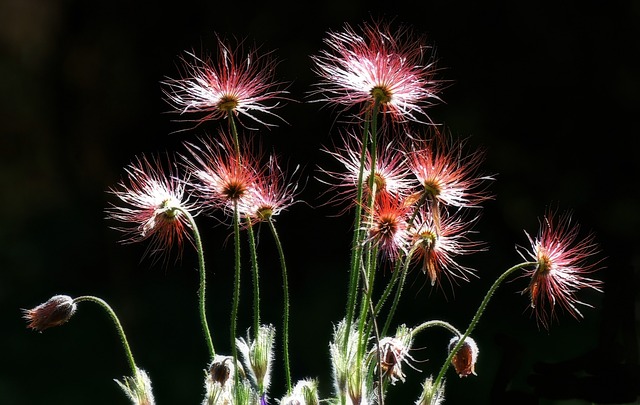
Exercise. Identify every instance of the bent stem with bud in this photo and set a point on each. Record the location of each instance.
(476, 318)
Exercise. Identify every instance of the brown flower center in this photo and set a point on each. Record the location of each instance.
(234, 190)
(228, 103)
(381, 94)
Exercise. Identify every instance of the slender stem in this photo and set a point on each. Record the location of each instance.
(234, 132)
(236, 294)
(119, 328)
(203, 282)
(356, 246)
(396, 299)
(377, 336)
(389, 287)
(476, 318)
(285, 287)
(256, 278)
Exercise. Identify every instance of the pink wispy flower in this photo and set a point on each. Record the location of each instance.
(391, 173)
(272, 192)
(447, 173)
(374, 62)
(220, 177)
(562, 265)
(234, 81)
(438, 243)
(387, 226)
(154, 207)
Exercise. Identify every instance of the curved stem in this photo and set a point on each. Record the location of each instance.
(429, 324)
(256, 278)
(476, 318)
(118, 325)
(203, 283)
(285, 287)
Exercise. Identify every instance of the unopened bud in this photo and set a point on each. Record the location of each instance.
(56, 311)
(220, 369)
(305, 392)
(464, 361)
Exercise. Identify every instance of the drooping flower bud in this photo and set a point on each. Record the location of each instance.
(219, 382)
(55, 312)
(464, 361)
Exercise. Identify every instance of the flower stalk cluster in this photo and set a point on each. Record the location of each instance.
(413, 190)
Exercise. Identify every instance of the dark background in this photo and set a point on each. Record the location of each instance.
(552, 92)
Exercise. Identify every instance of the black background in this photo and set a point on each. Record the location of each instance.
(550, 91)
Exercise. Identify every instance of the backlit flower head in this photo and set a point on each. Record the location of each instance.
(234, 81)
(154, 207)
(220, 177)
(387, 226)
(375, 63)
(272, 192)
(447, 173)
(391, 173)
(562, 263)
(437, 244)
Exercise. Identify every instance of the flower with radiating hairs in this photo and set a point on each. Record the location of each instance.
(387, 226)
(447, 173)
(437, 244)
(273, 191)
(374, 63)
(562, 263)
(235, 81)
(391, 174)
(221, 177)
(155, 205)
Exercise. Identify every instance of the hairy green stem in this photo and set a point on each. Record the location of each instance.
(118, 325)
(234, 133)
(203, 282)
(236, 294)
(256, 278)
(356, 245)
(430, 324)
(285, 313)
(396, 299)
(476, 318)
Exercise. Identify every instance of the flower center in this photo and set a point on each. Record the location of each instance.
(234, 190)
(264, 213)
(381, 94)
(228, 103)
(544, 264)
(432, 188)
(168, 208)
(379, 181)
